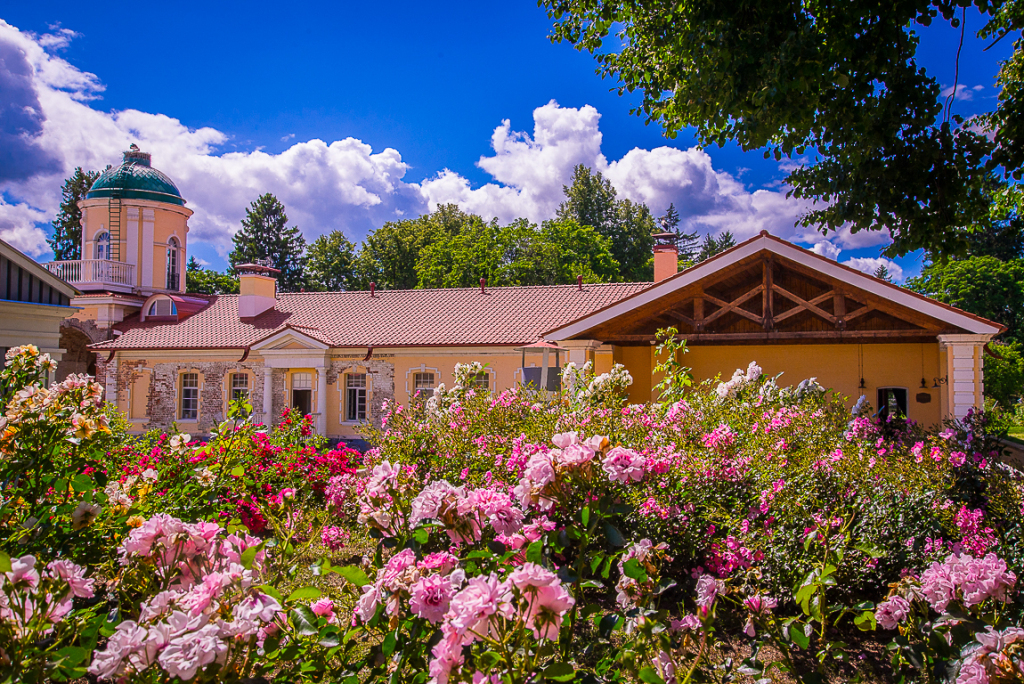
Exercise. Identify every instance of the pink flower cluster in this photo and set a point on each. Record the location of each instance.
(892, 612)
(623, 465)
(759, 606)
(536, 488)
(719, 439)
(530, 596)
(44, 598)
(725, 559)
(647, 554)
(999, 657)
(968, 579)
(464, 513)
(976, 539)
(207, 610)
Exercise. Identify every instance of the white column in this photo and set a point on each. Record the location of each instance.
(145, 276)
(268, 394)
(965, 372)
(578, 349)
(321, 401)
(544, 370)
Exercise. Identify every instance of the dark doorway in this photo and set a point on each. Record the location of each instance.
(302, 399)
(892, 402)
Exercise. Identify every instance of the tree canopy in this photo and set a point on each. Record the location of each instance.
(208, 281)
(265, 234)
(66, 241)
(331, 264)
(839, 82)
(590, 201)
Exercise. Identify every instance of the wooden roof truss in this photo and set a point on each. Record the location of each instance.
(771, 299)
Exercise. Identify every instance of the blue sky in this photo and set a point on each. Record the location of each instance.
(229, 96)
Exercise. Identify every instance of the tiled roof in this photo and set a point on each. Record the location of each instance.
(392, 318)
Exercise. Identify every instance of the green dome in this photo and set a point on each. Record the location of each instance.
(135, 179)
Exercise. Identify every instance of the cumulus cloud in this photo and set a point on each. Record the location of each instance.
(54, 123)
(827, 249)
(870, 264)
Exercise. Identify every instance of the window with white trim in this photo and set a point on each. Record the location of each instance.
(162, 307)
(173, 280)
(423, 382)
(239, 386)
(355, 397)
(481, 382)
(101, 250)
(189, 396)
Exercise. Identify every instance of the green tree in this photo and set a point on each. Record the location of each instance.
(66, 241)
(712, 245)
(199, 280)
(882, 273)
(840, 80)
(331, 264)
(389, 254)
(581, 251)
(1004, 374)
(590, 201)
(982, 285)
(265, 234)
(687, 244)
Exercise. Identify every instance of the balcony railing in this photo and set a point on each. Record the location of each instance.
(99, 271)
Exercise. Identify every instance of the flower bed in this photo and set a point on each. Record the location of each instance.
(504, 539)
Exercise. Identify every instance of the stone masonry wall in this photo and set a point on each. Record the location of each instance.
(162, 401)
(382, 381)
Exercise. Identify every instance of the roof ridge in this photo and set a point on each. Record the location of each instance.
(465, 289)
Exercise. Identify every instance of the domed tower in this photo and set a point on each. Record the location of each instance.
(134, 240)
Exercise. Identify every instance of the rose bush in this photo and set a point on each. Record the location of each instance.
(735, 529)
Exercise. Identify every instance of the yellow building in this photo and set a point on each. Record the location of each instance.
(33, 304)
(165, 356)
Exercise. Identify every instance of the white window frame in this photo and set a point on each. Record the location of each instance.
(410, 378)
(232, 387)
(101, 245)
(348, 403)
(182, 398)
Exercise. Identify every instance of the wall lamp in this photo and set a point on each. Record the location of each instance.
(941, 381)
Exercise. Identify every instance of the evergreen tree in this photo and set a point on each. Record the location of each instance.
(882, 273)
(688, 244)
(265, 234)
(331, 264)
(712, 245)
(66, 241)
(201, 280)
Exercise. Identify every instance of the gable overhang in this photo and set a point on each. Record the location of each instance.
(39, 271)
(765, 244)
(289, 334)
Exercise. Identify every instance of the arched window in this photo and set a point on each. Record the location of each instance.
(102, 248)
(162, 307)
(173, 254)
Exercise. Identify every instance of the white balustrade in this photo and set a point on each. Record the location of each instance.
(94, 271)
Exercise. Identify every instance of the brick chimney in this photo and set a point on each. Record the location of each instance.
(257, 287)
(666, 256)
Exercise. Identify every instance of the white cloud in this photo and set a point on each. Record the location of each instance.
(964, 93)
(870, 264)
(827, 249)
(345, 183)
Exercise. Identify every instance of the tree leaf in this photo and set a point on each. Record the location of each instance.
(633, 570)
(303, 619)
(304, 594)
(249, 555)
(271, 592)
(5, 562)
(238, 471)
(353, 574)
(559, 672)
(650, 676)
(615, 537)
(535, 552)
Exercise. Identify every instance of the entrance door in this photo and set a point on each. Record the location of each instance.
(302, 392)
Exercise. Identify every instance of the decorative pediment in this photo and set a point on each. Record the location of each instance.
(767, 290)
(290, 338)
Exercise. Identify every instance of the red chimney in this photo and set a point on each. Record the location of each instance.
(666, 256)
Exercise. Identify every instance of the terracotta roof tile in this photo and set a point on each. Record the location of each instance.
(392, 318)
